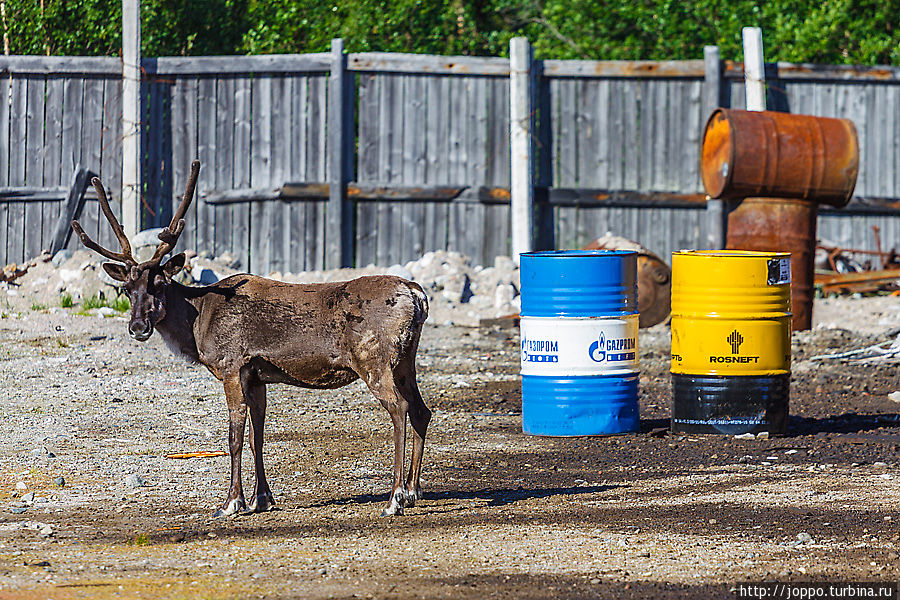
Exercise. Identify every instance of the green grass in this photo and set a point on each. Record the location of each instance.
(119, 303)
(141, 539)
(37, 306)
(66, 301)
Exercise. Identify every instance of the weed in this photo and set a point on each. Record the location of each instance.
(37, 306)
(141, 539)
(119, 304)
(62, 342)
(66, 301)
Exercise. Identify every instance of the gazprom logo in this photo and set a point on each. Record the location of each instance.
(610, 350)
(597, 350)
(540, 351)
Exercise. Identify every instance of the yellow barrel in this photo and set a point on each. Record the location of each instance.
(731, 341)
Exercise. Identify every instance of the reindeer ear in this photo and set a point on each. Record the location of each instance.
(173, 265)
(116, 271)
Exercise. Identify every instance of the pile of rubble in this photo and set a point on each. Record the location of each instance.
(459, 293)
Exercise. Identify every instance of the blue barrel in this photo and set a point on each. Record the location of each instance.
(579, 342)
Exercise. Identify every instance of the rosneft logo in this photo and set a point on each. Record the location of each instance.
(734, 339)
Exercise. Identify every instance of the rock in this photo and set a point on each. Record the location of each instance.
(762, 435)
(204, 275)
(894, 396)
(745, 436)
(504, 294)
(17, 510)
(46, 531)
(400, 271)
(28, 498)
(804, 538)
(62, 256)
(105, 311)
(59, 482)
(134, 481)
(21, 485)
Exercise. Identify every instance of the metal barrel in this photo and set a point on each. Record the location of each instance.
(765, 153)
(579, 342)
(731, 341)
(784, 225)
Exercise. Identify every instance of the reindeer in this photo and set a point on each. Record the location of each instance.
(250, 332)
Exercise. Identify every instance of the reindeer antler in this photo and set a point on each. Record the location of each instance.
(169, 236)
(123, 257)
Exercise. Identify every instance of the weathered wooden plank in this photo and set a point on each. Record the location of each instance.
(34, 146)
(279, 167)
(207, 154)
(154, 209)
(111, 154)
(224, 159)
(91, 136)
(623, 68)
(74, 201)
(632, 159)
(51, 154)
(261, 243)
(5, 147)
(806, 71)
(61, 65)
(73, 99)
(367, 168)
(235, 65)
(414, 167)
(498, 147)
(316, 156)
(396, 62)
(456, 158)
(496, 232)
(184, 151)
(315, 226)
(390, 123)
(240, 242)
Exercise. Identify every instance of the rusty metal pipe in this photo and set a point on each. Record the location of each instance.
(779, 155)
(783, 225)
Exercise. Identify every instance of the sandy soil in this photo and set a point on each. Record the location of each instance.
(650, 514)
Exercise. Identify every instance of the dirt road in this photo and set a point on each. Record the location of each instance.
(505, 515)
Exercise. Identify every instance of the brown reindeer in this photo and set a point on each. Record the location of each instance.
(250, 331)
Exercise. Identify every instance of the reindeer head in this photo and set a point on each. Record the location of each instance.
(146, 282)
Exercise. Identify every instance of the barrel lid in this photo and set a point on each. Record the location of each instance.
(733, 253)
(717, 154)
(576, 253)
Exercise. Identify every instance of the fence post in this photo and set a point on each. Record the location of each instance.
(131, 116)
(754, 68)
(340, 229)
(712, 99)
(521, 125)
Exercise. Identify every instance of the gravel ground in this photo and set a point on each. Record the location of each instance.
(91, 508)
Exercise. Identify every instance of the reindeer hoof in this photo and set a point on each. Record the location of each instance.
(262, 503)
(234, 507)
(410, 497)
(395, 507)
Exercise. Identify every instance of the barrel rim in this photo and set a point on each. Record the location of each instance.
(732, 253)
(576, 253)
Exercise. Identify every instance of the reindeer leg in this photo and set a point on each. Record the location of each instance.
(419, 417)
(382, 387)
(237, 419)
(255, 394)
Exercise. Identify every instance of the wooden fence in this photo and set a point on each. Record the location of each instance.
(312, 160)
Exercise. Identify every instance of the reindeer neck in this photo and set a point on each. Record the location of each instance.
(177, 328)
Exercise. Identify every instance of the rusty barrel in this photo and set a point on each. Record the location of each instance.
(654, 284)
(780, 155)
(784, 225)
(731, 341)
